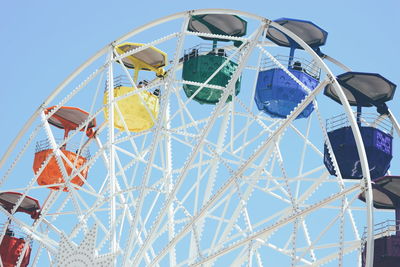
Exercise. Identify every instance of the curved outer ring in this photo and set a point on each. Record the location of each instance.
(342, 97)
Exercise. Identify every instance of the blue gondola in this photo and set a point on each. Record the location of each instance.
(361, 90)
(277, 94)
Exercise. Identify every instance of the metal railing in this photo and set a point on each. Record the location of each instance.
(208, 49)
(382, 123)
(13, 231)
(383, 229)
(74, 147)
(297, 63)
(123, 80)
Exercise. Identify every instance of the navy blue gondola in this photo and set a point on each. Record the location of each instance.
(386, 195)
(361, 90)
(277, 94)
(377, 143)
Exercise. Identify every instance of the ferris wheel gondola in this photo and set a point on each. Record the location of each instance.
(15, 246)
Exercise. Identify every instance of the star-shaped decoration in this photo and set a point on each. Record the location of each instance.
(84, 255)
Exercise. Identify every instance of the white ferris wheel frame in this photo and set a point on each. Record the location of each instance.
(185, 15)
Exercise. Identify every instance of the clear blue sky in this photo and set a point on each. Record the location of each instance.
(41, 42)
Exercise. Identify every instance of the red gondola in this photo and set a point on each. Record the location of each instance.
(12, 246)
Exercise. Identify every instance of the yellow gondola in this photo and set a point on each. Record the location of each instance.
(139, 111)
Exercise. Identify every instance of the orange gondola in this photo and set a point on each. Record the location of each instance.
(66, 118)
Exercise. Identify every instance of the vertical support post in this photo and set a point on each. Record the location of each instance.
(111, 164)
(214, 47)
(66, 132)
(136, 75)
(359, 110)
(291, 55)
(168, 156)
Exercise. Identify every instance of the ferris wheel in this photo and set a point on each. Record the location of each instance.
(206, 138)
